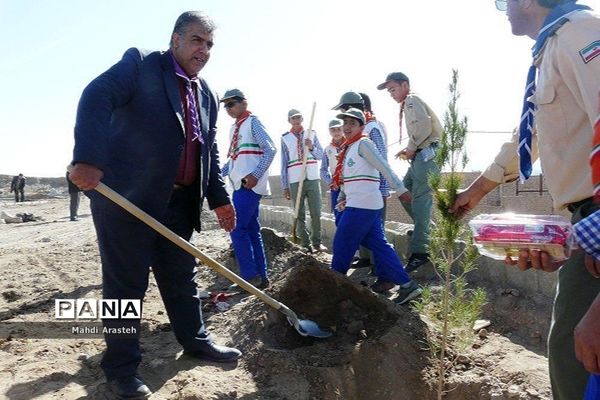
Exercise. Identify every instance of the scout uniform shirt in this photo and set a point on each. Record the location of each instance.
(422, 125)
(566, 100)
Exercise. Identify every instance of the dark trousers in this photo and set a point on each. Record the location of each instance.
(575, 292)
(74, 203)
(19, 195)
(127, 249)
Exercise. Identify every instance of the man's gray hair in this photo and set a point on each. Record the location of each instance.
(190, 17)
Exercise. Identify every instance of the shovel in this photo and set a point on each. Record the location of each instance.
(302, 175)
(304, 327)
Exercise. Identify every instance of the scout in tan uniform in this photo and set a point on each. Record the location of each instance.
(423, 129)
(566, 57)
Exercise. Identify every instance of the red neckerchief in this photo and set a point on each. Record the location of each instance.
(369, 116)
(235, 139)
(337, 146)
(595, 162)
(337, 179)
(297, 131)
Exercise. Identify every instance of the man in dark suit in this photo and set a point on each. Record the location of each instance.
(146, 127)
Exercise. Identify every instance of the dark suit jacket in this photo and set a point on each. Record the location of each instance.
(130, 124)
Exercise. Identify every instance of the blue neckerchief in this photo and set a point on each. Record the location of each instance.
(557, 17)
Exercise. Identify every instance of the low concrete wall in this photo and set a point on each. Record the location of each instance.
(493, 272)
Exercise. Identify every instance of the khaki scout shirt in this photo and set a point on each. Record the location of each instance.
(567, 101)
(422, 125)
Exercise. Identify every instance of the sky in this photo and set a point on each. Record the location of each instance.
(281, 54)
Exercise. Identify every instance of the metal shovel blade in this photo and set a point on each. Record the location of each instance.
(306, 327)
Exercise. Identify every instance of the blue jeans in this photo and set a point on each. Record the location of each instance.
(416, 181)
(359, 226)
(246, 238)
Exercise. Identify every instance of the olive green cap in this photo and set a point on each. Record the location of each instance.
(394, 76)
(353, 113)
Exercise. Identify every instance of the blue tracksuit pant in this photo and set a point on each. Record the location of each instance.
(246, 238)
(592, 392)
(359, 226)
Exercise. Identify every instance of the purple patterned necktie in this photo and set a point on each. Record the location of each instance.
(190, 99)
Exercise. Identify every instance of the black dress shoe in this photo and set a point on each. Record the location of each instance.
(213, 352)
(129, 387)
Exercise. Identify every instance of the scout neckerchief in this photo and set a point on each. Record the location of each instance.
(595, 162)
(235, 138)
(400, 118)
(191, 83)
(337, 145)
(297, 131)
(557, 17)
(337, 179)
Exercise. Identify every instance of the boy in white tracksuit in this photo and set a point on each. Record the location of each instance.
(251, 152)
(357, 173)
(329, 162)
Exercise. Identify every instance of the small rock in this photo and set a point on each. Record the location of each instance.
(233, 394)
(45, 240)
(362, 334)
(476, 345)
(483, 334)
(496, 396)
(513, 392)
(464, 360)
(515, 292)
(480, 324)
(500, 292)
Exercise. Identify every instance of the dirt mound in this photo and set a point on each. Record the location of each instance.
(370, 354)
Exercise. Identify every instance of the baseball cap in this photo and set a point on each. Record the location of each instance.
(233, 93)
(353, 113)
(394, 76)
(293, 113)
(335, 123)
(349, 98)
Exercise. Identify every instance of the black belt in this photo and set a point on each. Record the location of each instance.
(574, 206)
(434, 145)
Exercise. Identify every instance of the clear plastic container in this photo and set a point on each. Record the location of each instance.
(502, 235)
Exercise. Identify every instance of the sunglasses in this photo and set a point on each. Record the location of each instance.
(501, 5)
(230, 104)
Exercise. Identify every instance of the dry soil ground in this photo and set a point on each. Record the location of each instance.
(376, 351)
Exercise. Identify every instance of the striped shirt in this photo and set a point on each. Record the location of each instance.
(587, 234)
(377, 138)
(261, 137)
(317, 153)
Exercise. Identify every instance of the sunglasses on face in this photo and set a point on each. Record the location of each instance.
(230, 104)
(501, 5)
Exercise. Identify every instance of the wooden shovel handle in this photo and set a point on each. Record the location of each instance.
(188, 247)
